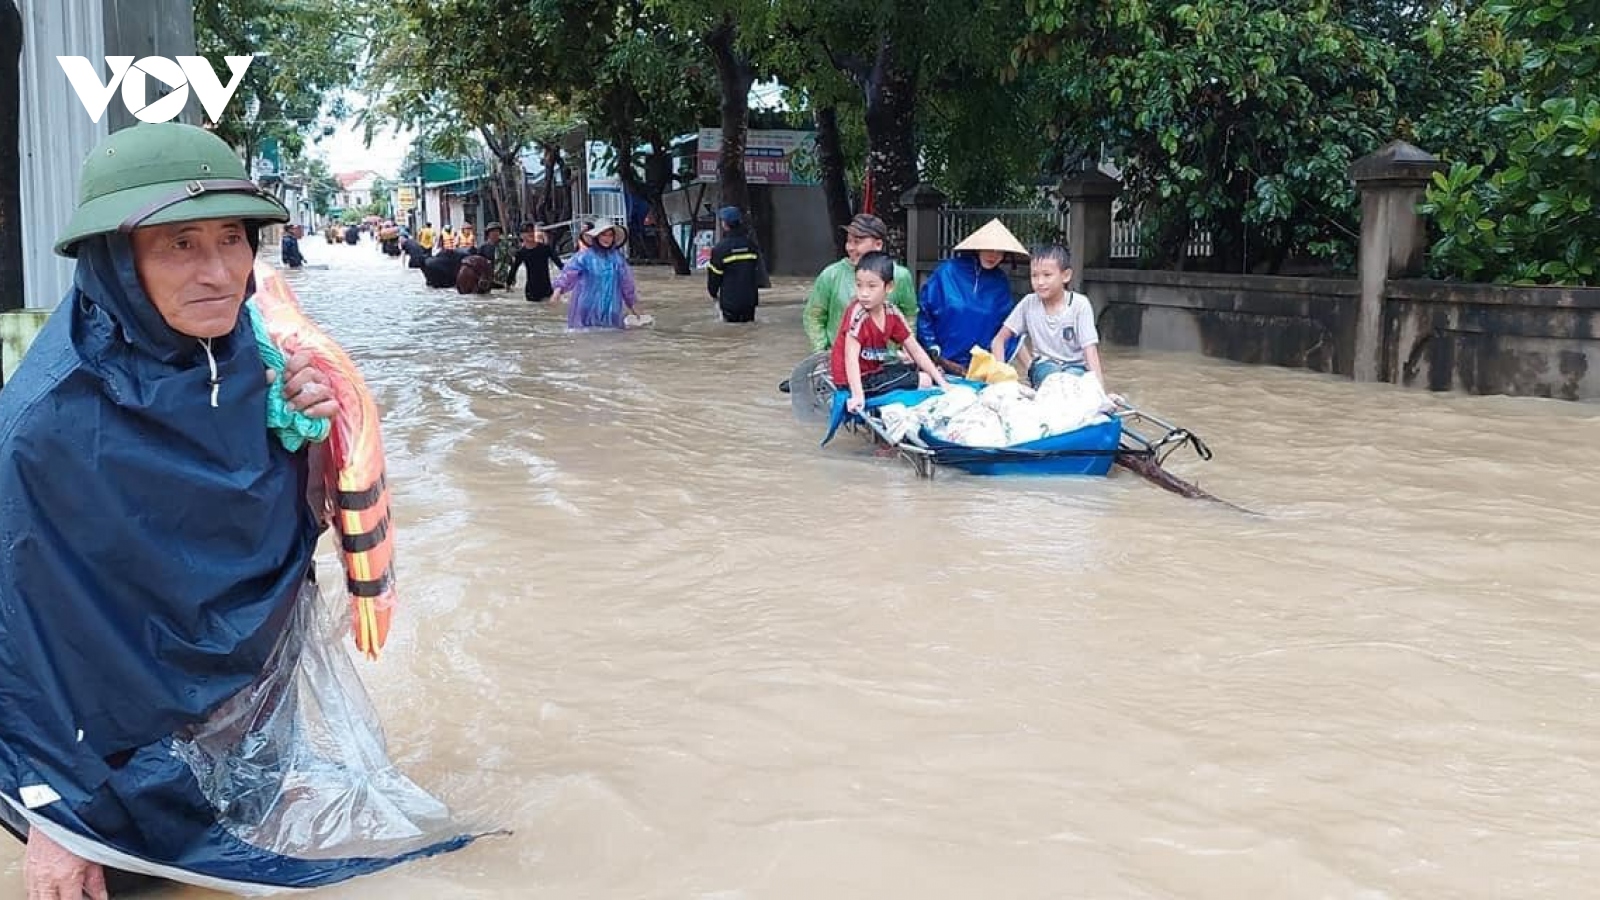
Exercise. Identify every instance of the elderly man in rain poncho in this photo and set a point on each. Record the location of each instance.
(173, 704)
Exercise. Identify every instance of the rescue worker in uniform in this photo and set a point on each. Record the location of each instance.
(733, 277)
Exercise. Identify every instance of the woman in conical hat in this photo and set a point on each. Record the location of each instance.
(966, 299)
(599, 280)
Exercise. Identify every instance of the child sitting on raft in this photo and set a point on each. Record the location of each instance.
(600, 281)
(1058, 323)
(862, 359)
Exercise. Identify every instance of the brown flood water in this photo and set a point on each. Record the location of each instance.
(682, 652)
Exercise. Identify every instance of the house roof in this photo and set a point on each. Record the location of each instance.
(347, 179)
(438, 173)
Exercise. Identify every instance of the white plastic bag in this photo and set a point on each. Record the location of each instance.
(998, 396)
(1024, 421)
(1070, 401)
(938, 410)
(975, 426)
(898, 421)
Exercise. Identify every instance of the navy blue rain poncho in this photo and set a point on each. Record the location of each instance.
(155, 550)
(962, 305)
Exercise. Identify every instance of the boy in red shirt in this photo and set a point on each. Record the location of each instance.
(862, 359)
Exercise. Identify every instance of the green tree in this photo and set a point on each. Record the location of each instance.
(832, 105)
(306, 54)
(731, 33)
(894, 52)
(317, 180)
(1236, 118)
(648, 90)
(466, 76)
(1524, 208)
(987, 143)
(636, 81)
(927, 74)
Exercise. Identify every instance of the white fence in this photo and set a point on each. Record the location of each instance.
(1035, 226)
(1125, 236)
(609, 205)
(1031, 226)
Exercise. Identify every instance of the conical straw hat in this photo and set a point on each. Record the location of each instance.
(993, 236)
(604, 225)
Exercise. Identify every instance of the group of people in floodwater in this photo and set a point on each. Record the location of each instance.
(171, 688)
(864, 310)
(882, 335)
(597, 279)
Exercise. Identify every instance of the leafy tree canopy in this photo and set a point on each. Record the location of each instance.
(1519, 203)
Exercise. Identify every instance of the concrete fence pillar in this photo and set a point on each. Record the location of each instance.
(922, 204)
(1089, 196)
(1394, 239)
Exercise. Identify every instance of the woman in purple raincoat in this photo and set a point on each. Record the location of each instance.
(599, 280)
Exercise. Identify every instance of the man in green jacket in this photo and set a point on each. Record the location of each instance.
(835, 287)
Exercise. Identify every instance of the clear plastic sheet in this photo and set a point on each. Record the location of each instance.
(297, 764)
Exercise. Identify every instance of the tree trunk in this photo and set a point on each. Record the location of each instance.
(658, 178)
(561, 202)
(1229, 243)
(680, 262)
(11, 286)
(545, 208)
(509, 178)
(830, 162)
(891, 138)
(505, 183)
(251, 139)
(1168, 249)
(735, 75)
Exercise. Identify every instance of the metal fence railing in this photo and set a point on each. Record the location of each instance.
(1031, 226)
(564, 234)
(1035, 226)
(1126, 237)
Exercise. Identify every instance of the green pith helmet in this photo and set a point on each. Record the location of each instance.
(158, 173)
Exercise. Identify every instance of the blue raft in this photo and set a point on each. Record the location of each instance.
(1091, 450)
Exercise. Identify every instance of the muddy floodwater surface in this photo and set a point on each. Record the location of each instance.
(680, 651)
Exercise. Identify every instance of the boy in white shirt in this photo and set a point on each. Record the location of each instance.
(1059, 324)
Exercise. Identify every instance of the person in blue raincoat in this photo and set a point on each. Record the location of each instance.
(967, 298)
(164, 690)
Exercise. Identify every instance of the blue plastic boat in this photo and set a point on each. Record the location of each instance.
(1091, 450)
(1087, 451)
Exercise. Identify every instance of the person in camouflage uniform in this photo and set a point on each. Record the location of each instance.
(498, 252)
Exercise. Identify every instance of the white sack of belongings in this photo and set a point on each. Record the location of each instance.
(1070, 401)
(975, 426)
(898, 420)
(1001, 395)
(1007, 414)
(639, 320)
(1024, 421)
(937, 411)
(1019, 415)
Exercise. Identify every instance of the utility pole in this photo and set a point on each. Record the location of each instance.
(422, 181)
